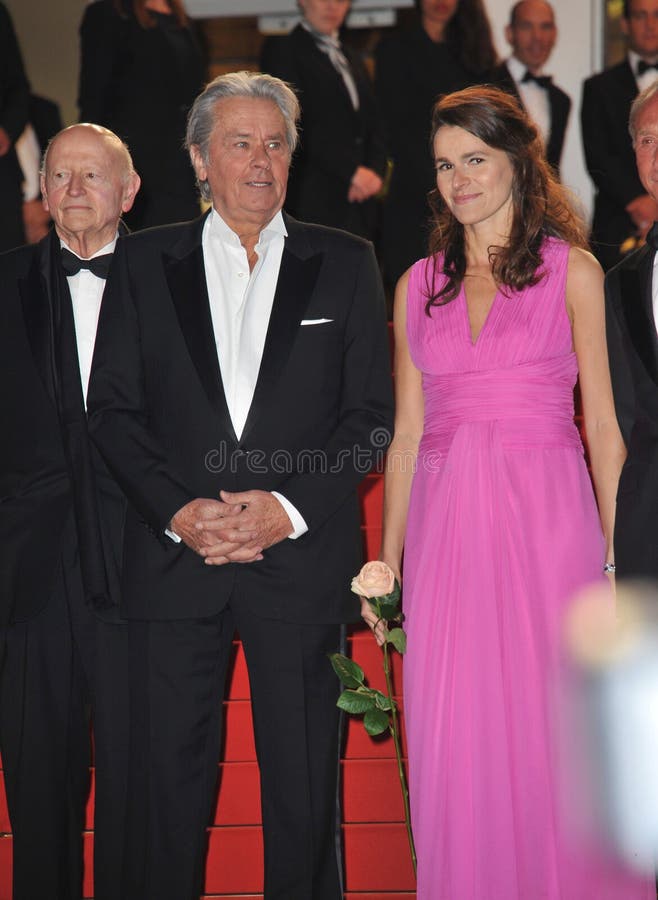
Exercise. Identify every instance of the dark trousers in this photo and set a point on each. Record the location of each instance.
(176, 741)
(57, 667)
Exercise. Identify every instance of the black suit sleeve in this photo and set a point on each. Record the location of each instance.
(603, 127)
(14, 86)
(376, 154)
(620, 372)
(116, 404)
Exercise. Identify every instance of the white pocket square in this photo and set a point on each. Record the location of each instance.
(315, 321)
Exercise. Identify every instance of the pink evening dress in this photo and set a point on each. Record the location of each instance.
(502, 530)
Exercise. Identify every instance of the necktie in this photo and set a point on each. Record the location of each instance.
(643, 67)
(98, 265)
(331, 46)
(652, 236)
(544, 81)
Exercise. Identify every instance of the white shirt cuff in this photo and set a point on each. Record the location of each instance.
(172, 534)
(299, 525)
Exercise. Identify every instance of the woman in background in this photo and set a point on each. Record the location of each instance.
(499, 523)
(338, 168)
(449, 48)
(140, 69)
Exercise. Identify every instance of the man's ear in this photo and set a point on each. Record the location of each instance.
(508, 35)
(198, 163)
(44, 193)
(130, 191)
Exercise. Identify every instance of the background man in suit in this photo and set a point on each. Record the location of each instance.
(623, 210)
(57, 655)
(340, 163)
(632, 323)
(14, 98)
(246, 354)
(531, 34)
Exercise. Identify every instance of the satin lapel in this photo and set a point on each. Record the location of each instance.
(295, 285)
(35, 292)
(187, 284)
(636, 302)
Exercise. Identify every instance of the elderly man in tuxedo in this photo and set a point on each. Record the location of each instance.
(60, 635)
(241, 389)
(531, 33)
(623, 210)
(632, 329)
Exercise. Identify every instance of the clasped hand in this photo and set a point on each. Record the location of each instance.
(236, 528)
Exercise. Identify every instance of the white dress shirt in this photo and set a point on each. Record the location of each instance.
(28, 152)
(533, 96)
(86, 296)
(240, 307)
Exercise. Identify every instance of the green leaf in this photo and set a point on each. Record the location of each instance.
(387, 606)
(375, 722)
(382, 700)
(356, 701)
(349, 672)
(398, 638)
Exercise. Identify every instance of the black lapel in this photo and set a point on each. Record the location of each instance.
(627, 81)
(297, 277)
(35, 292)
(322, 60)
(636, 302)
(510, 84)
(186, 277)
(557, 127)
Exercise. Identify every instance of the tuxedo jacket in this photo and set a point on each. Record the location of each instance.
(609, 156)
(633, 352)
(45, 476)
(321, 414)
(334, 137)
(560, 106)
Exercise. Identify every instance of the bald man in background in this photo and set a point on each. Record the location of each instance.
(531, 33)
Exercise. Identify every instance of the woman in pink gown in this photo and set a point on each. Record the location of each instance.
(498, 520)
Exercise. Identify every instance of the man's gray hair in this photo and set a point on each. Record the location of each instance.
(642, 99)
(203, 116)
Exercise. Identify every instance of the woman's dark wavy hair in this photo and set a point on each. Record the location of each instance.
(469, 35)
(145, 17)
(541, 206)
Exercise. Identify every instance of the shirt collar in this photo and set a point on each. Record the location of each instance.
(633, 60)
(517, 69)
(221, 231)
(108, 248)
(319, 36)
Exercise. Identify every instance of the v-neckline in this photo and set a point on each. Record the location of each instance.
(467, 318)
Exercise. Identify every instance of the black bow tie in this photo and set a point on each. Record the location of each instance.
(652, 236)
(98, 265)
(543, 81)
(643, 66)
